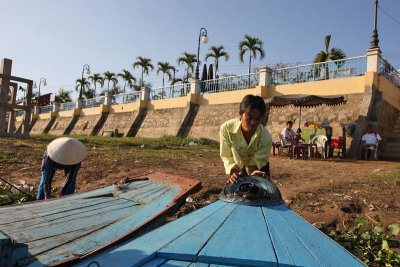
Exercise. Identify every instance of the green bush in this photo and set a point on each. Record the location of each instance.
(371, 246)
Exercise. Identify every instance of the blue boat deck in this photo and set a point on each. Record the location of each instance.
(229, 234)
(66, 229)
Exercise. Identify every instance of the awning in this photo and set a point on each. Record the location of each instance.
(305, 100)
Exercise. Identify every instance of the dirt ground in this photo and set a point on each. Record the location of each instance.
(327, 193)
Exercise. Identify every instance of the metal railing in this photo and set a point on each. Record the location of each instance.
(230, 83)
(342, 68)
(176, 90)
(125, 98)
(389, 72)
(45, 109)
(67, 106)
(93, 102)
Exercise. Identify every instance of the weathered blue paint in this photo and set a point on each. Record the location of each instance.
(228, 234)
(61, 230)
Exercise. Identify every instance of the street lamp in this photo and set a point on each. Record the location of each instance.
(40, 83)
(203, 33)
(87, 68)
(374, 38)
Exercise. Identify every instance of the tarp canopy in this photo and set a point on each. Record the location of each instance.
(305, 100)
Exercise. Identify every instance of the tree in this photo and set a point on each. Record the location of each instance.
(146, 65)
(165, 68)
(189, 60)
(324, 56)
(216, 53)
(253, 45)
(96, 78)
(64, 95)
(333, 54)
(89, 93)
(110, 77)
(127, 77)
(176, 80)
(84, 83)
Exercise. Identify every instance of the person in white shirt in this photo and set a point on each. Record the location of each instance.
(288, 135)
(369, 139)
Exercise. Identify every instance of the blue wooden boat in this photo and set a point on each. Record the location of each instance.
(68, 229)
(241, 232)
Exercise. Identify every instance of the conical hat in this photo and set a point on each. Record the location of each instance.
(266, 193)
(66, 151)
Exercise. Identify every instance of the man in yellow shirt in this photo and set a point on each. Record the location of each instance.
(245, 144)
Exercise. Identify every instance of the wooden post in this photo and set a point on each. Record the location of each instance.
(11, 118)
(5, 69)
(27, 113)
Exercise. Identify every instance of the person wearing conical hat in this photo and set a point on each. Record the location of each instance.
(63, 153)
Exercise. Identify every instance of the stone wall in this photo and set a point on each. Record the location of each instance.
(341, 114)
(59, 125)
(160, 122)
(85, 125)
(39, 126)
(209, 119)
(387, 120)
(121, 121)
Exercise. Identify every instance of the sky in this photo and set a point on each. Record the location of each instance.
(54, 39)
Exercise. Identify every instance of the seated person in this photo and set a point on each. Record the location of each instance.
(369, 139)
(298, 138)
(245, 144)
(288, 135)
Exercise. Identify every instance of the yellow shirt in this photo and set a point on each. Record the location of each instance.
(236, 153)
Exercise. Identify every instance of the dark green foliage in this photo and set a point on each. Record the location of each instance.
(371, 246)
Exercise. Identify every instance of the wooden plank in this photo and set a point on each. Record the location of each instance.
(99, 238)
(173, 263)
(188, 245)
(199, 264)
(327, 251)
(242, 240)
(288, 247)
(41, 222)
(155, 263)
(142, 249)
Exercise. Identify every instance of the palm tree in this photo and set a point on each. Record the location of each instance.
(127, 77)
(216, 53)
(253, 45)
(165, 68)
(110, 77)
(189, 60)
(146, 65)
(96, 78)
(333, 54)
(84, 83)
(89, 93)
(324, 56)
(64, 95)
(177, 80)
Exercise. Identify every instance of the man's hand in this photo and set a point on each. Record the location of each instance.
(234, 175)
(261, 174)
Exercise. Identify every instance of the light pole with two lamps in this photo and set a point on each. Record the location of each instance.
(40, 83)
(87, 68)
(203, 33)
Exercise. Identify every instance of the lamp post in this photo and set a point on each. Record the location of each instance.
(374, 39)
(87, 68)
(203, 33)
(40, 83)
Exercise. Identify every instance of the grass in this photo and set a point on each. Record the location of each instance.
(386, 176)
(5, 155)
(133, 141)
